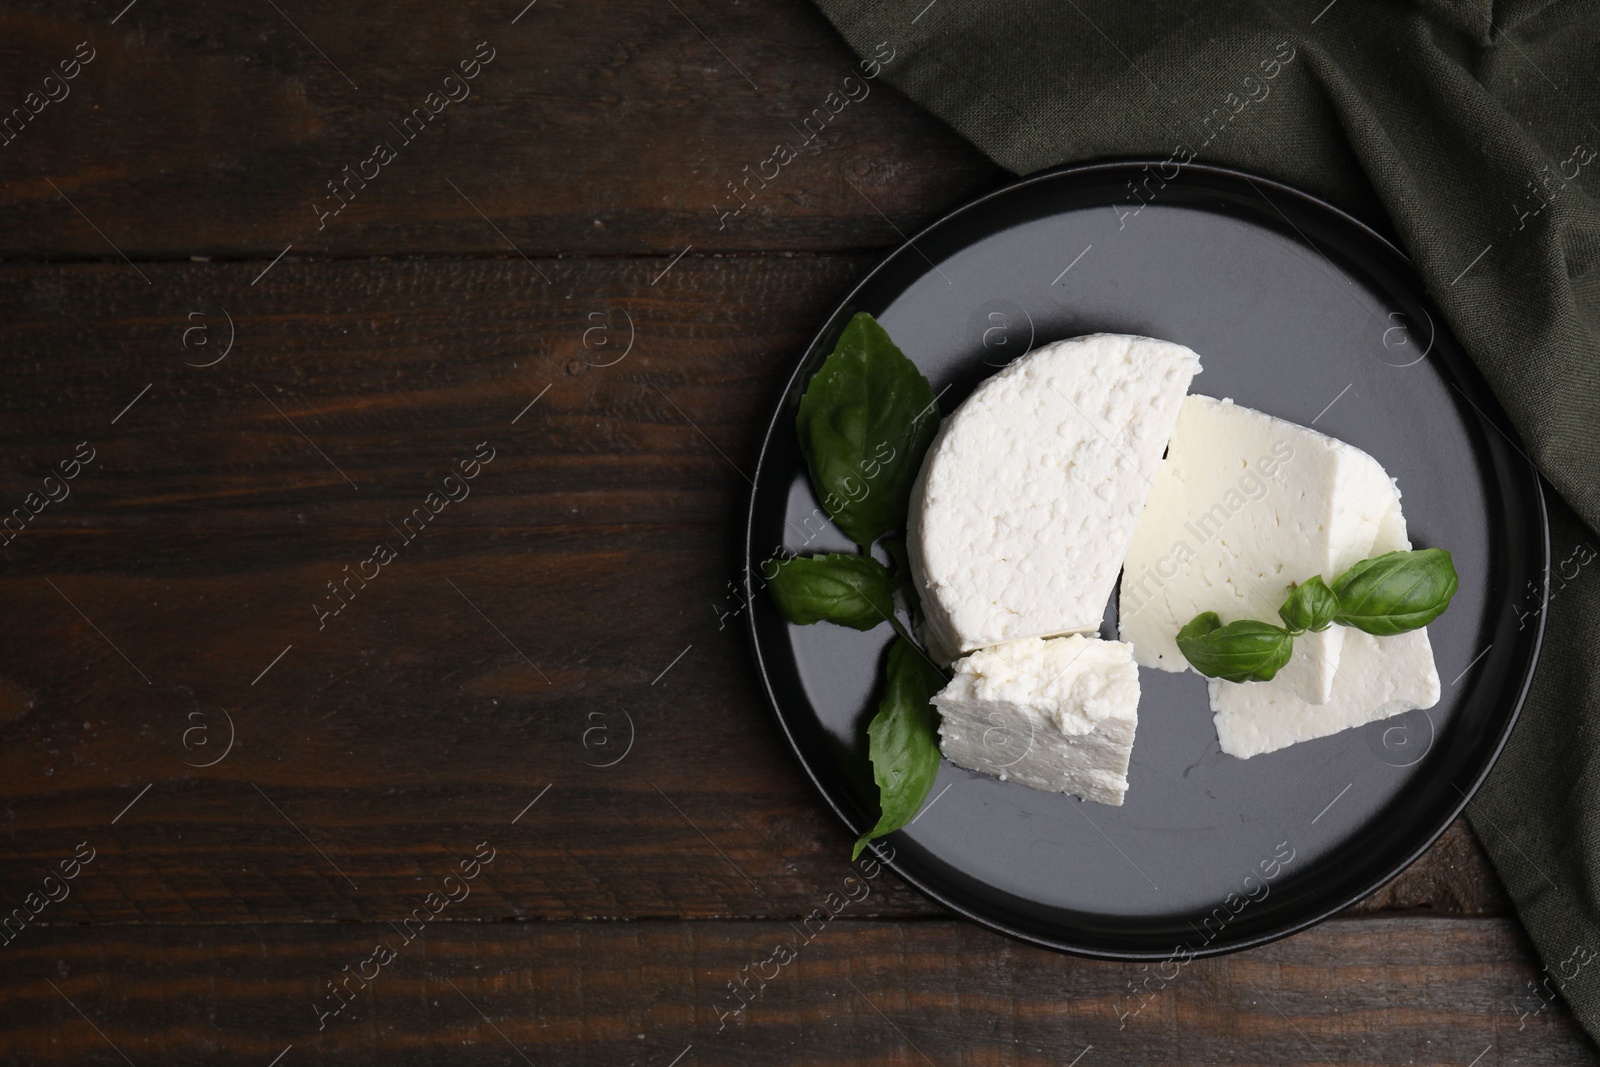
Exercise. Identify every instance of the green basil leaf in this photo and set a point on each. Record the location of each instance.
(1243, 651)
(903, 739)
(1396, 592)
(854, 591)
(1311, 606)
(864, 423)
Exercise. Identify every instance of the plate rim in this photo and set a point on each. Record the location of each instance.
(1314, 916)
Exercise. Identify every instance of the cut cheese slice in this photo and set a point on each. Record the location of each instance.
(1244, 506)
(1377, 677)
(1022, 511)
(1055, 714)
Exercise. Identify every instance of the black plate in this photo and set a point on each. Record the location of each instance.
(1298, 310)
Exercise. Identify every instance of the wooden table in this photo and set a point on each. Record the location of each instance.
(531, 354)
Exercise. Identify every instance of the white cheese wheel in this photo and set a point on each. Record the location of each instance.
(1024, 506)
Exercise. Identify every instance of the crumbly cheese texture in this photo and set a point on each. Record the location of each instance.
(1244, 506)
(1056, 714)
(1022, 511)
(1377, 677)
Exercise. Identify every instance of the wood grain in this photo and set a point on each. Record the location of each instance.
(215, 131)
(592, 555)
(1360, 992)
(532, 304)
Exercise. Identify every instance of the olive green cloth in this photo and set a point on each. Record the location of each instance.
(1460, 126)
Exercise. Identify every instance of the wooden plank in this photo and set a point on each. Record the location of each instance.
(1454, 877)
(1392, 991)
(174, 588)
(217, 132)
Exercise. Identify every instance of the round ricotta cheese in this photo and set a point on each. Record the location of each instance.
(1028, 496)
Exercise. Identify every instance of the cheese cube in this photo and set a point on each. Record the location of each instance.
(1244, 506)
(1054, 714)
(1377, 677)
(1026, 500)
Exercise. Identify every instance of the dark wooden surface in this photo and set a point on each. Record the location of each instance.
(1369, 991)
(575, 602)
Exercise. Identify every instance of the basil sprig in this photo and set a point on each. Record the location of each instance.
(865, 421)
(1386, 595)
